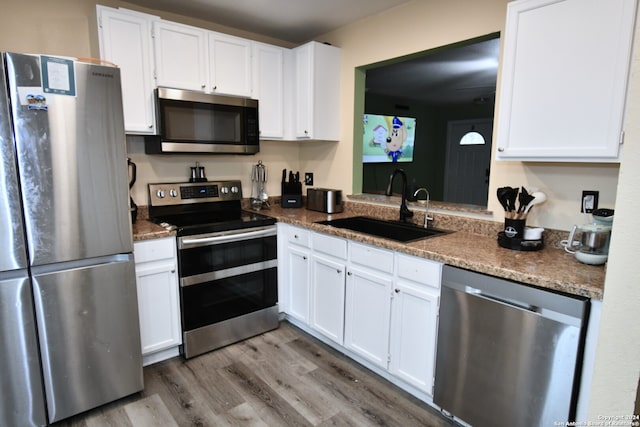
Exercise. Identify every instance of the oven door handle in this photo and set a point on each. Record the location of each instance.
(226, 238)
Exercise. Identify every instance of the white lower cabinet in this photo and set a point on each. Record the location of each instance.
(299, 274)
(328, 272)
(414, 321)
(367, 311)
(158, 299)
(414, 325)
(374, 304)
(294, 273)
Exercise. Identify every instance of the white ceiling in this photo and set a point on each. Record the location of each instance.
(295, 21)
(460, 74)
(447, 76)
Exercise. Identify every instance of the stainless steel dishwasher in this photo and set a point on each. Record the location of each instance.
(508, 354)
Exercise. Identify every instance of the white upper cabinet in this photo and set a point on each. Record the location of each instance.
(298, 89)
(229, 65)
(564, 79)
(180, 56)
(268, 88)
(125, 40)
(197, 59)
(317, 92)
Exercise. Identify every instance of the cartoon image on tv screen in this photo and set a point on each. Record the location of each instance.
(388, 138)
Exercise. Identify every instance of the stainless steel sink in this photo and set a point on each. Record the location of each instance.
(394, 230)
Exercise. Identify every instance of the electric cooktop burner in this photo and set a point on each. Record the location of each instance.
(199, 208)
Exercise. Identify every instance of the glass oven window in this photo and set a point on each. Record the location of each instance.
(206, 259)
(223, 299)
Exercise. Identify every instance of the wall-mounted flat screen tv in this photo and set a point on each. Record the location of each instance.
(388, 138)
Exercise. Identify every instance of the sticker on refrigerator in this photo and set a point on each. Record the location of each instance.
(58, 75)
(36, 101)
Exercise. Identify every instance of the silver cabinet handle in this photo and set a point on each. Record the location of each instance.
(397, 291)
(500, 149)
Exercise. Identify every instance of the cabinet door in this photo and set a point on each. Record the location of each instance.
(367, 314)
(158, 306)
(414, 323)
(564, 78)
(327, 297)
(125, 40)
(180, 55)
(229, 65)
(268, 88)
(317, 92)
(299, 280)
(304, 91)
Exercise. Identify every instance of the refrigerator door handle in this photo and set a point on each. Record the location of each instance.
(82, 263)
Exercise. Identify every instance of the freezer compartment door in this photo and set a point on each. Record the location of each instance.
(22, 402)
(14, 252)
(89, 335)
(72, 158)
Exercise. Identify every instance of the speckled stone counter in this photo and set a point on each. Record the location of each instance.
(146, 230)
(143, 229)
(474, 248)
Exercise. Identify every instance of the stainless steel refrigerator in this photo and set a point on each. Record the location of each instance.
(68, 306)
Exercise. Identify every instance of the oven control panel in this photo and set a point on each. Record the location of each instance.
(194, 192)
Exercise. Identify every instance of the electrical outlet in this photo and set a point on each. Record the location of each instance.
(589, 201)
(308, 178)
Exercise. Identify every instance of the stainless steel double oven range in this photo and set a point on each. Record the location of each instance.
(227, 262)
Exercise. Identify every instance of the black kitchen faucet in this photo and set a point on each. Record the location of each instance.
(404, 210)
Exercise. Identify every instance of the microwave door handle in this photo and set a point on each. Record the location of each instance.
(186, 243)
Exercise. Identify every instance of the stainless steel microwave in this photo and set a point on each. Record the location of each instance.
(197, 122)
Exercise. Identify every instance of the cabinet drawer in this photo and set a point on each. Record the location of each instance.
(329, 245)
(371, 257)
(154, 250)
(420, 270)
(299, 236)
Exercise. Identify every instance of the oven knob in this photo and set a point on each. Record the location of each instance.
(234, 189)
(224, 190)
(160, 194)
(173, 192)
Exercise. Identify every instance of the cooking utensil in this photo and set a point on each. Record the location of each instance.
(132, 179)
(512, 196)
(502, 194)
(259, 196)
(524, 198)
(538, 198)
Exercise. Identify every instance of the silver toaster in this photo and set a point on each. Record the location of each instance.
(324, 200)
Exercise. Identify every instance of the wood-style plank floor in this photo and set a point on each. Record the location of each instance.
(282, 378)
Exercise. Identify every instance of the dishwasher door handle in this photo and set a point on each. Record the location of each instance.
(520, 305)
(506, 301)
